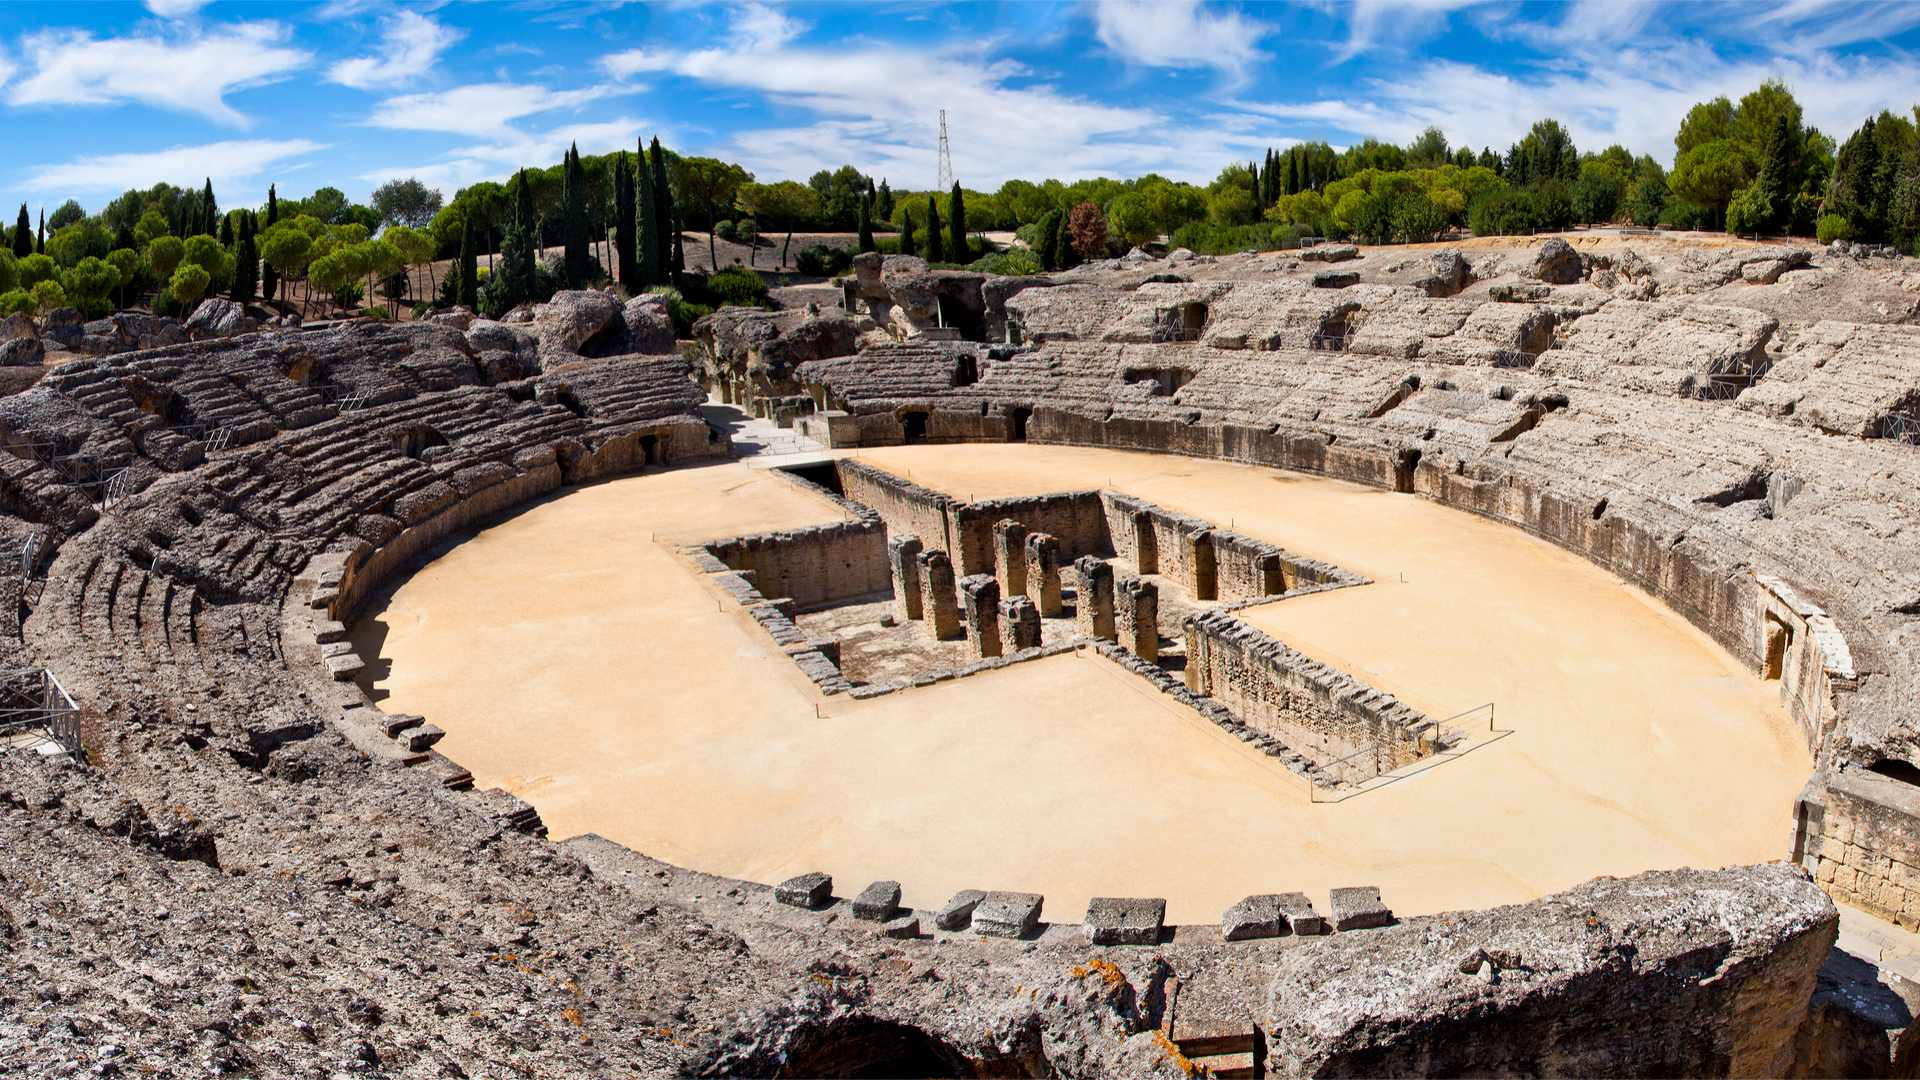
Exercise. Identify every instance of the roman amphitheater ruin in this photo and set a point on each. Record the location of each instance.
(1494, 659)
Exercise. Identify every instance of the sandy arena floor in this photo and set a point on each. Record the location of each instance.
(575, 662)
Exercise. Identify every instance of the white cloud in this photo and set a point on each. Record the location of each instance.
(226, 163)
(175, 9)
(1179, 34)
(190, 72)
(413, 45)
(497, 161)
(1391, 23)
(875, 109)
(482, 109)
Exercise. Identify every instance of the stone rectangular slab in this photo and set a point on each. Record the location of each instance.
(1358, 908)
(1007, 914)
(1123, 921)
(877, 902)
(1298, 913)
(805, 891)
(906, 926)
(958, 912)
(1254, 917)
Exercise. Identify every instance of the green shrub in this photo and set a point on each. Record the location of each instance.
(726, 230)
(1014, 262)
(1681, 214)
(734, 286)
(820, 260)
(1831, 227)
(16, 301)
(377, 311)
(420, 309)
(683, 314)
(1501, 212)
(166, 305)
(1206, 238)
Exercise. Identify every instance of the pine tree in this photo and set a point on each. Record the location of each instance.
(23, 234)
(246, 263)
(123, 237)
(469, 266)
(648, 212)
(671, 260)
(957, 224)
(906, 233)
(883, 202)
(935, 250)
(866, 226)
(623, 223)
(208, 209)
(575, 221)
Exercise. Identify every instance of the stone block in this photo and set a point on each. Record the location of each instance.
(937, 605)
(1019, 624)
(1298, 912)
(1007, 914)
(1093, 606)
(1043, 574)
(827, 647)
(956, 913)
(1137, 617)
(328, 631)
(1254, 917)
(1118, 921)
(906, 926)
(344, 666)
(980, 596)
(877, 902)
(421, 737)
(1358, 908)
(903, 554)
(806, 891)
(1010, 557)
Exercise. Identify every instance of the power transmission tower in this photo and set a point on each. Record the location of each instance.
(946, 157)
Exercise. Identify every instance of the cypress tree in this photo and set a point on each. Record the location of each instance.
(23, 234)
(123, 237)
(227, 238)
(269, 278)
(40, 245)
(516, 248)
(665, 216)
(936, 252)
(575, 221)
(208, 209)
(246, 262)
(866, 227)
(623, 223)
(648, 211)
(906, 233)
(679, 245)
(957, 225)
(469, 266)
(883, 202)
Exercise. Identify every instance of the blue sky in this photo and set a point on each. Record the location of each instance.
(104, 96)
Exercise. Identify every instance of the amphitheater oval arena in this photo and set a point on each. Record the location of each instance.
(1482, 659)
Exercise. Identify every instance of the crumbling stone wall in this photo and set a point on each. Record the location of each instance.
(813, 565)
(906, 507)
(1316, 710)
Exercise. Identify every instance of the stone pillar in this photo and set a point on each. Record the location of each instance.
(1043, 574)
(937, 604)
(1010, 556)
(1137, 617)
(1146, 546)
(1019, 624)
(903, 554)
(1093, 609)
(1272, 581)
(981, 595)
(1199, 555)
(1197, 658)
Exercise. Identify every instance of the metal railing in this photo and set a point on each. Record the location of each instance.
(1165, 332)
(117, 488)
(1901, 427)
(1330, 342)
(33, 698)
(346, 397)
(1398, 750)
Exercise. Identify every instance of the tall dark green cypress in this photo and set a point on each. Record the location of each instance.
(209, 210)
(227, 237)
(23, 234)
(906, 232)
(679, 245)
(623, 223)
(246, 262)
(866, 226)
(575, 221)
(664, 217)
(469, 265)
(517, 247)
(647, 210)
(883, 202)
(40, 243)
(936, 252)
(269, 277)
(957, 224)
